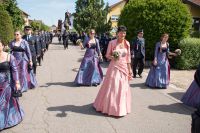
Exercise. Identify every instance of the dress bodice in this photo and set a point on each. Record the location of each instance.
(92, 45)
(122, 52)
(163, 49)
(17, 49)
(4, 66)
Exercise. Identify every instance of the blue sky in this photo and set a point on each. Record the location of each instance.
(49, 11)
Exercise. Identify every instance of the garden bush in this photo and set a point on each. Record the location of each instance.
(190, 57)
(156, 17)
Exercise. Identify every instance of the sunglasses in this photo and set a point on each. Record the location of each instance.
(16, 34)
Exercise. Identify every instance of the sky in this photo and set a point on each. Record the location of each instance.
(49, 11)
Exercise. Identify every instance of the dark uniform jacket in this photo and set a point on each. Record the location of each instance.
(38, 45)
(138, 48)
(32, 44)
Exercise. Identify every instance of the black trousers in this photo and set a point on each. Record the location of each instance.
(47, 46)
(34, 60)
(137, 62)
(39, 59)
(65, 43)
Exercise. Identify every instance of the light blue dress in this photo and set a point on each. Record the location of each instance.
(159, 76)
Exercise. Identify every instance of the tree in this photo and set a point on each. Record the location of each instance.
(15, 13)
(156, 17)
(39, 25)
(36, 25)
(90, 14)
(44, 27)
(6, 27)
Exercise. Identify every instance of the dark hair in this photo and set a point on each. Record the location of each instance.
(121, 28)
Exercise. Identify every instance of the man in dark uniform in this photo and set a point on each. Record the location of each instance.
(47, 39)
(65, 39)
(43, 43)
(32, 44)
(39, 46)
(138, 54)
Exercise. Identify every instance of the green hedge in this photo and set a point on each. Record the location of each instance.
(6, 27)
(190, 57)
(156, 17)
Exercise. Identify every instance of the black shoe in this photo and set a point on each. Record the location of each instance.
(140, 75)
(95, 84)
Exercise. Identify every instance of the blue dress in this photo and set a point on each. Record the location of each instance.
(159, 75)
(192, 95)
(23, 56)
(11, 113)
(90, 72)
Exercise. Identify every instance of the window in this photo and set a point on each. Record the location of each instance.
(196, 24)
(114, 17)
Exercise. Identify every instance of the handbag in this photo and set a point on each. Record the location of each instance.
(17, 93)
(29, 68)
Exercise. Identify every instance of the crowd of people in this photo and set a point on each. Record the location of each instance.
(114, 97)
(18, 70)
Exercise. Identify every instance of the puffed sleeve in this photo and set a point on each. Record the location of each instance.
(156, 50)
(128, 57)
(109, 50)
(168, 50)
(13, 66)
(85, 42)
(28, 51)
(98, 47)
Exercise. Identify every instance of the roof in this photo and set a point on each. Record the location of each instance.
(114, 5)
(24, 13)
(192, 2)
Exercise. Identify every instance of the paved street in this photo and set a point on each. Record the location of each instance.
(57, 106)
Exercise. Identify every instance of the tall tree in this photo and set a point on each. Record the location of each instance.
(39, 25)
(6, 27)
(15, 13)
(90, 14)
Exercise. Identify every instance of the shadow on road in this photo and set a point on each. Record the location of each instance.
(177, 95)
(85, 109)
(177, 108)
(69, 84)
(140, 85)
(80, 60)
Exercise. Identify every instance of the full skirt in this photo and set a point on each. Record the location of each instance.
(192, 96)
(11, 113)
(114, 97)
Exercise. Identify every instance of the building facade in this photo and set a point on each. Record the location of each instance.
(194, 7)
(115, 11)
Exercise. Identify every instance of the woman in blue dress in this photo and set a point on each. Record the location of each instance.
(21, 51)
(90, 72)
(192, 95)
(159, 74)
(10, 112)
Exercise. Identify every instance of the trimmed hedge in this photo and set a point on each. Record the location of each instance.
(156, 17)
(190, 57)
(6, 27)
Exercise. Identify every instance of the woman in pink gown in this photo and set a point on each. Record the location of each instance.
(114, 97)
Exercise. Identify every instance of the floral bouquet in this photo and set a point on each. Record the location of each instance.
(115, 54)
(79, 42)
(7, 49)
(178, 51)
